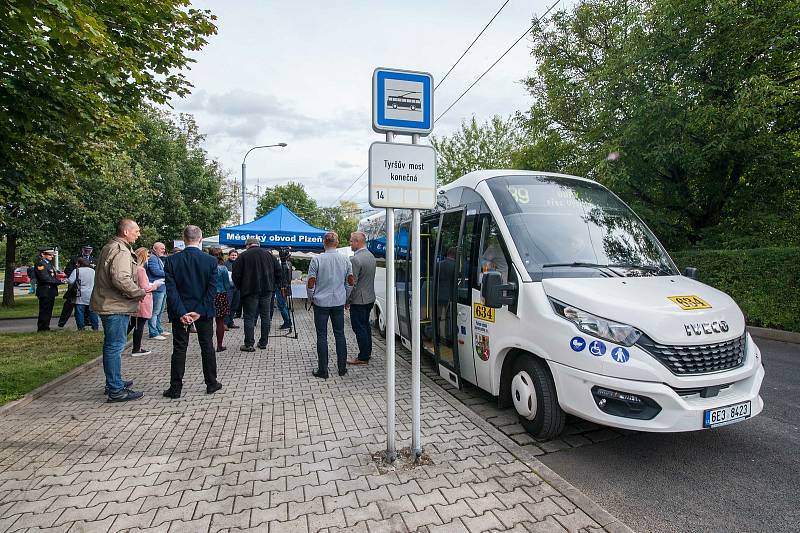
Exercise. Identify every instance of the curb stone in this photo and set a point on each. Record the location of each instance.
(775, 334)
(609, 522)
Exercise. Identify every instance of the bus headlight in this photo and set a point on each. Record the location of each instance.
(597, 326)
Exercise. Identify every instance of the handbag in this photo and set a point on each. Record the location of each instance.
(74, 290)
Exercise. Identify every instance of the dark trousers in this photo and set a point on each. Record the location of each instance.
(66, 312)
(180, 341)
(234, 299)
(283, 307)
(47, 299)
(336, 314)
(136, 325)
(257, 305)
(359, 319)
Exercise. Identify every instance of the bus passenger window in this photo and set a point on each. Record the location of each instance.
(492, 258)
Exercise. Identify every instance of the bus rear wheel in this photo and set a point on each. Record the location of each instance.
(533, 394)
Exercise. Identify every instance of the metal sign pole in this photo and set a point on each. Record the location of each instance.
(416, 253)
(391, 309)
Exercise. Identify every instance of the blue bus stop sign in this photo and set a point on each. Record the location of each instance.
(402, 101)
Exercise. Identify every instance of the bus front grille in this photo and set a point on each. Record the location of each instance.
(687, 360)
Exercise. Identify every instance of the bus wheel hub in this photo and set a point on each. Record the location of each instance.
(523, 394)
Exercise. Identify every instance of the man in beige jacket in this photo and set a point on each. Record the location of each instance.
(115, 298)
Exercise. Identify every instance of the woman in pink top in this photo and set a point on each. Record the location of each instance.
(145, 310)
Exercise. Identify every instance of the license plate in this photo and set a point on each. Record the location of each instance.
(726, 415)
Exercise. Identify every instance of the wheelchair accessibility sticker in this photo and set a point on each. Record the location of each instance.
(597, 348)
(577, 344)
(620, 355)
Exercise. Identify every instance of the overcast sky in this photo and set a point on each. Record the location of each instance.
(300, 73)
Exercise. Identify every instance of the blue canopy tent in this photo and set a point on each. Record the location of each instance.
(401, 243)
(279, 228)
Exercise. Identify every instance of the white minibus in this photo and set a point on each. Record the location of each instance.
(549, 292)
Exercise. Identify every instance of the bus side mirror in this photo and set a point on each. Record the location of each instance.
(495, 293)
(690, 272)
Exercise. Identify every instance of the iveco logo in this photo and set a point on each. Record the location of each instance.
(706, 328)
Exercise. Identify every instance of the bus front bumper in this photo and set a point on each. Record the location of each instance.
(676, 412)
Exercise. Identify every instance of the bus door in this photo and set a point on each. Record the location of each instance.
(402, 273)
(464, 286)
(446, 273)
(429, 231)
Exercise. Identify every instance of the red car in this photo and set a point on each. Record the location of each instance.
(21, 276)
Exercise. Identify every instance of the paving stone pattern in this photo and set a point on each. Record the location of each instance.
(275, 450)
(576, 433)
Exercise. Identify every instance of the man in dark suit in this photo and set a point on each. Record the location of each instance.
(256, 273)
(191, 286)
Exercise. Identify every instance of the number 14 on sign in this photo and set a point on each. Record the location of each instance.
(380, 194)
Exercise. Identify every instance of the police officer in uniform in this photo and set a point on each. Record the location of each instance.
(69, 305)
(46, 287)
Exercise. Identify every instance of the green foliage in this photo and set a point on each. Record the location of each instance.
(342, 219)
(164, 183)
(765, 282)
(475, 147)
(72, 73)
(294, 196)
(701, 98)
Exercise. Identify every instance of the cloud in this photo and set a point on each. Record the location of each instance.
(244, 114)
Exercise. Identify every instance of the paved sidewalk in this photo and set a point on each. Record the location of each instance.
(275, 450)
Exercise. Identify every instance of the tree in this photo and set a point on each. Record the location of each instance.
(163, 183)
(73, 72)
(343, 219)
(699, 97)
(475, 147)
(294, 196)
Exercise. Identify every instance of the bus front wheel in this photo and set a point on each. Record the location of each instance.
(380, 323)
(533, 394)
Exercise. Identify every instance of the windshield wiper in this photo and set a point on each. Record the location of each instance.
(602, 268)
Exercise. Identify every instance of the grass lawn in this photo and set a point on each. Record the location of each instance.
(28, 360)
(27, 306)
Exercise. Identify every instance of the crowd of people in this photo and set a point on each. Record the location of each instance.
(128, 289)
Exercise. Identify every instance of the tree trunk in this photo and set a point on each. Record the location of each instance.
(11, 260)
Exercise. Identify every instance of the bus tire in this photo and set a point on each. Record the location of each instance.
(533, 394)
(380, 323)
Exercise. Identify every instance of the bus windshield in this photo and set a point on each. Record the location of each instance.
(566, 227)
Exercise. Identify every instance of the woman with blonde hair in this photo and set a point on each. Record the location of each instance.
(145, 310)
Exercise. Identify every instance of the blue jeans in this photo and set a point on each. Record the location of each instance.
(81, 311)
(336, 314)
(115, 330)
(359, 320)
(154, 324)
(283, 307)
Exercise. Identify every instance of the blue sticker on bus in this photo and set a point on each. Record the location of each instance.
(597, 348)
(577, 344)
(620, 355)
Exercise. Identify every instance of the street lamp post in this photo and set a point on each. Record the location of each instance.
(244, 173)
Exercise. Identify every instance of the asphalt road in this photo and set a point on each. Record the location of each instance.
(743, 477)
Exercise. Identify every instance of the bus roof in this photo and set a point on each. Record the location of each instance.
(472, 179)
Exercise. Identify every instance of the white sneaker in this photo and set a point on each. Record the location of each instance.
(159, 338)
(141, 353)
(166, 333)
